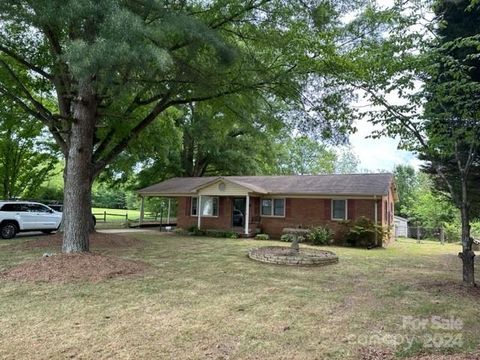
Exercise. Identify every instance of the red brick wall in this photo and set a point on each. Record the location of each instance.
(316, 212)
(298, 212)
(222, 221)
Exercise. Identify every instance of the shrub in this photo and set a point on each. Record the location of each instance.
(452, 232)
(289, 238)
(231, 235)
(180, 231)
(51, 193)
(320, 236)
(262, 237)
(194, 230)
(286, 237)
(475, 229)
(112, 198)
(221, 234)
(361, 233)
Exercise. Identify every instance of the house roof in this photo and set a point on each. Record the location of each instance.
(338, 184)
(247, 185)
(396, 217)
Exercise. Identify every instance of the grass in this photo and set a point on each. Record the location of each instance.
(206, 300)
(118, 215)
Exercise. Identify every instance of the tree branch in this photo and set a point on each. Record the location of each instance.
(232, 17)
(47, 115)
(162, 105)
(55, 132)
(405, 120)
(25, 63)
(215, 25)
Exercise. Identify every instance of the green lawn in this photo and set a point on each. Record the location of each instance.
(118, 215)
(204, 299)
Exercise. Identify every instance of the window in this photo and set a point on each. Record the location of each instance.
(194, 204)
(14, 207)
(279, 207)
(209, 206)
(266, 206)
(38, 208)
(273, 207)
(339, 209)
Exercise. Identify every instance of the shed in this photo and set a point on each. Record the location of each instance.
(401, 226)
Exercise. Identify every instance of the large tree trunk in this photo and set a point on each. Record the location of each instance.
(78, 174)
(187, 154)
(467, 255)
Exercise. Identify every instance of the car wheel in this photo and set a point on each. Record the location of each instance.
(47, 231)
(8, 230)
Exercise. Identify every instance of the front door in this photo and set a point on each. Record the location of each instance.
(238, 212)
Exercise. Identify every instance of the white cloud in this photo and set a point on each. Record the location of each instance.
(379, 154)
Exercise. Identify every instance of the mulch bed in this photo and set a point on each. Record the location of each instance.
(61, 268)
(97, 240)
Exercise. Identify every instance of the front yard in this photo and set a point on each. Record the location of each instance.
(204, 299)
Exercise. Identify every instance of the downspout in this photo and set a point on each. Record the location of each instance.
(376, 219)
(247, 215)
(199, 211)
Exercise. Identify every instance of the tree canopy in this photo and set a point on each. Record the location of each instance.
(432, 65)
(97, 74)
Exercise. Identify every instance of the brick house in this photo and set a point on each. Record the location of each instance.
(267, 204)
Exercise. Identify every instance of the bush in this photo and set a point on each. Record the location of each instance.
(222, 234)
(50, 193)
(452, 232)
(109, 198)
(289, 238)
(180, 231)
(286, 237)
(262, 237)
(195, 231)
(361, 233)
(320, 236)
(231, 235)
(475, 231)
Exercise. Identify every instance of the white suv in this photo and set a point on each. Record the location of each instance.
(16, 216)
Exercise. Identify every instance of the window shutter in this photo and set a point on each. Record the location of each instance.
(188, 202)
(327, 208)
(351, 209)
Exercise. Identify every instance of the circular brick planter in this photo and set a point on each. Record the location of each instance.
(285, 256)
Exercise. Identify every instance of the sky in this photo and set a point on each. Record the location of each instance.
(379, 154)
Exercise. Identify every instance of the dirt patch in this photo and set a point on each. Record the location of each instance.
(61, 268)
(452, 287)
(97, 240)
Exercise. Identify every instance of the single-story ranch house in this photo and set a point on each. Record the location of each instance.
(267, 204)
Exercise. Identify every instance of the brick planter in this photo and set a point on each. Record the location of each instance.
(281, 255)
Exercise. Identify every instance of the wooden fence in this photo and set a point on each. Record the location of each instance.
(107, 217)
